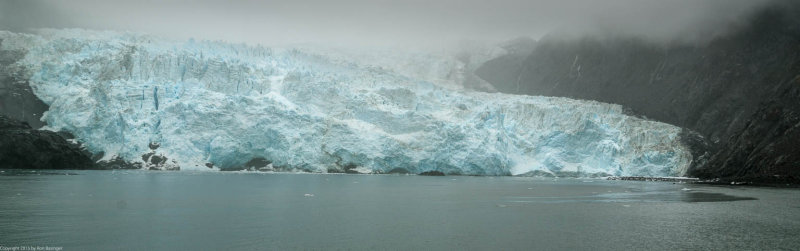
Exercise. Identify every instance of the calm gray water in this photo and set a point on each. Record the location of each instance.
(140, 210)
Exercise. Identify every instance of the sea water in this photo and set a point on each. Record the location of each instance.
(148, 210)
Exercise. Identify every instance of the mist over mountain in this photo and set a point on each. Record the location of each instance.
(381, 23)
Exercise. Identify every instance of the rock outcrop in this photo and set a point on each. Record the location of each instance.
(22, 147)
(767, 149)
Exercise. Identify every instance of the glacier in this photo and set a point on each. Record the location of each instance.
(201, 104)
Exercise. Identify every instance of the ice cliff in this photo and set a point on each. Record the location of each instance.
(228, 104)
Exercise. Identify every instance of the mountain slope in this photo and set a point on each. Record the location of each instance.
(717, 89)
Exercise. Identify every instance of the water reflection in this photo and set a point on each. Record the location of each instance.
(23, 172)
(628, 196)
(710, 197)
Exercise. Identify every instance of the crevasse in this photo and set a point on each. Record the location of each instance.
(226, 104)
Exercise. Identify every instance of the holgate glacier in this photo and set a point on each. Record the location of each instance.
(206, 102)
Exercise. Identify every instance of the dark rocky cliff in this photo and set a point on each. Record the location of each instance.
(22, 147)
(16, 97)
(723, 90)
(767, 148)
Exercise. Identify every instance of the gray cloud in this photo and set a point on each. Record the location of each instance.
(365, 22)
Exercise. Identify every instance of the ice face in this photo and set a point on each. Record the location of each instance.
(226, 104)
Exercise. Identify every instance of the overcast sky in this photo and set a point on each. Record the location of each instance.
(381, 21)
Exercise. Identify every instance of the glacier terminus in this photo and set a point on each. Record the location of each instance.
(203, 105)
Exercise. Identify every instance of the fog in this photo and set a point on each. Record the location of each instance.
(383, 22)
